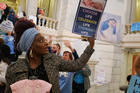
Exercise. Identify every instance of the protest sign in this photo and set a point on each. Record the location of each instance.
(88, 16)
(135, 27)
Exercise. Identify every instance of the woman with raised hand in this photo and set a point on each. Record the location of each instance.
(39, 63)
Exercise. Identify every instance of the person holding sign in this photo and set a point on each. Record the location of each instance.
(39, 63)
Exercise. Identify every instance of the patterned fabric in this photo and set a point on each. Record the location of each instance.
(134, 85)
(38, 73)
(26, 39)
(31, 86)
(52, 63)
(6, 26)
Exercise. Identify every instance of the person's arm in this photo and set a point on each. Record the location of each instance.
(86, 71)
(72, 65)
(74, 52)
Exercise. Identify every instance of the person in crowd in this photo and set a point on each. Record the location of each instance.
(125, 87)
(1, 13)
(81, 82)
(56, 48)
(134, 85)
(5, 13)
(39, 63)
(7, 27)
(66, 78)
(42, 13)
(24, 14)
(4, 62)
(12, 16)
(37, 13)
(1, 41)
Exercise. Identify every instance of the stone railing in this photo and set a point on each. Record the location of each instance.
(128, 30)
(47, 22)
(130, 39)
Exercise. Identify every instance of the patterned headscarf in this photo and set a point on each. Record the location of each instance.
(27, 39)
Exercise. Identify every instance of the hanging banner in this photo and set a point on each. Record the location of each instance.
(88, 16)
(135, 27)
(109, 28)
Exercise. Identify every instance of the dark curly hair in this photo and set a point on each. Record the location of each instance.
(21, 26)
(1, 41)
(4, 52)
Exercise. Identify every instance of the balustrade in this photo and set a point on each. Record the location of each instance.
(47, 22)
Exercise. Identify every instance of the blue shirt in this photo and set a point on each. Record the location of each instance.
(65, 82)
(9, 41)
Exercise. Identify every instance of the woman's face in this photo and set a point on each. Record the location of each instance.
(66, 56)
(40, 45)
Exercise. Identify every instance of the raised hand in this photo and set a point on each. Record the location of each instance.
(67, 44)
(91, 41)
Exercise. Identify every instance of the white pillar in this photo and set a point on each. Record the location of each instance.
(31, 7)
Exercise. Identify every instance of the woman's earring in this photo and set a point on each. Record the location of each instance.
(31, 53)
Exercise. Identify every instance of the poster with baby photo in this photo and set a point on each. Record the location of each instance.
(96, 5)
(109, 28)
(88, 16)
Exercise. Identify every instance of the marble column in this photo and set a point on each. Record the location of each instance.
(31, 8)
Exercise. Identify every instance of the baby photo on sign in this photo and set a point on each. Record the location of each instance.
(97, 5)
(109, 28)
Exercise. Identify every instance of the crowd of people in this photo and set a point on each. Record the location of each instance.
(44, 66)
(44, 69)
